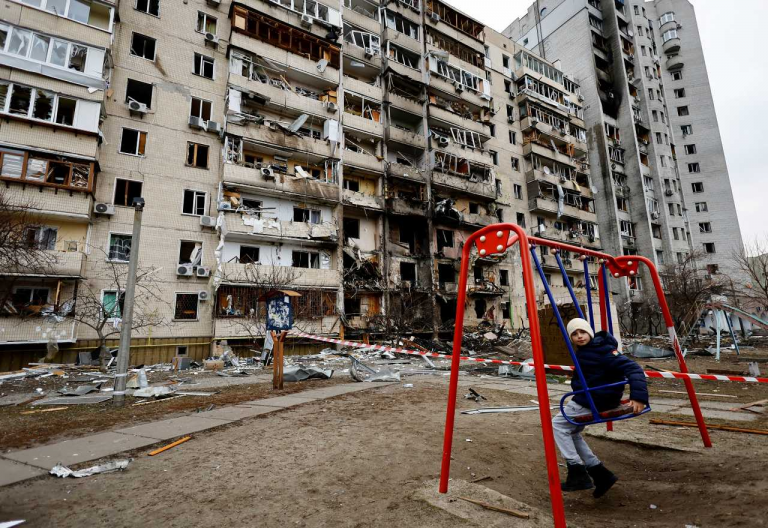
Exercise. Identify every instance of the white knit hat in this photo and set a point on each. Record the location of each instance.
(579, 324)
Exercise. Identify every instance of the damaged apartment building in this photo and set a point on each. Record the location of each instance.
(341, 153)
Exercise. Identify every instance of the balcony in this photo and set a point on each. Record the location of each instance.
(463, 185)
(232, 326)
(365, 201)
(540, 150)
(368, 24)
(282, 184)
(410, 73)
(363, 88)
(468, 96)
(284, 98)
(474, 125)
(236, 273)
(242, 224)
(406, 207)
(55, 264)
(556, 135)
(672, 45)
(286, 16)
(473, 155)
(264, 135)
(407, 137)
(534, 175)
(406, 104)
(36, 329)
(38, 135)
(363, 161)
(50, 201)
(363, 124)
(455, 34)
(406, 172)
(290, 61)
(675, 63)
(550, 206)
(479, 219)
(358, 54)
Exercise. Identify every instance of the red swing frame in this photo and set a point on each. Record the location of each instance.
(496, 239)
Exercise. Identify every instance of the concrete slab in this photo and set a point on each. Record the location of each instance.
(722, 415)
(174, 427)
(282, 401)
(11, 472)
(237, 412)
(79, 450)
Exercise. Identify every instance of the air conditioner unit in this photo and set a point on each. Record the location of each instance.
(434, 17)
(307, 21)
(225, 206)
(104, 209)
(268, 173)
(135, 106)
(655, 216)
(185, 270)
(214, 127)
(213, 3)
(203, 271)
(211, 38)
(208, 221)
(534, 121)
(203, 295)
(196, 122)
(458, 86)
(679, 26)
(443, 141)
(668, 192)
(630, 242)
(369, 53)
(487, 62)
(511, 95)
(581, 98)
(331, 107)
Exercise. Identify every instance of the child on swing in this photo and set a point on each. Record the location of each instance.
(601, 364)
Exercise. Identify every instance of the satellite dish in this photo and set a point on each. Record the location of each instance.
(322, 65)
(594, 190)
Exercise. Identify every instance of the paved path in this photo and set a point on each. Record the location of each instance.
(21, 465)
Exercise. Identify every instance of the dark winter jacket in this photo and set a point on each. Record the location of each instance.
(602, 364)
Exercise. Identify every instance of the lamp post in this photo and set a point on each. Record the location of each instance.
(124, 352)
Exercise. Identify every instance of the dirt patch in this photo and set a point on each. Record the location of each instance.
(358, 460)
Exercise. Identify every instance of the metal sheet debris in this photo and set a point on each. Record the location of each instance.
(62, 471)
(474, 395)
(493, 410)
(301, 373)
(10, 524)
(74, 400)
(639, 350)
(361, 372)
(150, 392)
(82, 390)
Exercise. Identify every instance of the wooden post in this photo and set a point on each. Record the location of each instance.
(277, 360)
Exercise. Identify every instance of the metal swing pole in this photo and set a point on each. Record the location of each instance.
(607, 296)
(588, 282)
(568, 283)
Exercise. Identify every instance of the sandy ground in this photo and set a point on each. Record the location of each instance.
(360, 460)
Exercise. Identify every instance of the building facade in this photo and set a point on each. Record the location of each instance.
(340, 152)
(655, 148)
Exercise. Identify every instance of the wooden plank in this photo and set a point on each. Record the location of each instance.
(709, 426)
(753, 404)
(169, 446)
(491, 507)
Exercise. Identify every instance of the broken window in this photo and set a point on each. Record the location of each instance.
(444, 239)
(352, 185)
(133, 142)
(203, 66)
(126, 191)
(186, 307)
(150, 7)
(21, 97)
(694, 167)
(709, 247)
(351, 228)
(446, 273)
(697, 187)
(705, 227)
(43, 107)
(139, 91)
(367, 41)
(403, 56)
(111, 305)
(205, 23)
(454, 47)
(352, 306)
(194, 202)
(520, 219)
(408, 272)
(201, 109)
(401, 24)
(701, 207)
(40, 237)
(311, 216)
(504, 277)
(466, 137)
(305, 259)
(119, 247)
(249, 255)
(77, 55)
(455, 19)
(474, 208)
(190, 252)
(690, 149)
(143, 46)
(518, 190)
(197, 155)
(65, 111)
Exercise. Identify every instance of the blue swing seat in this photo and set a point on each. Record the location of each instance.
(622, 412)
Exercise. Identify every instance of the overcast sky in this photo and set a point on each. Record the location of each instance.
(732, 35)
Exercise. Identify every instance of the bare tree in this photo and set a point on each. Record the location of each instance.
(752, 260)
(99, 301)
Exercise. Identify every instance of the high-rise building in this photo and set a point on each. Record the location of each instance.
(341, 154)
(655, 147)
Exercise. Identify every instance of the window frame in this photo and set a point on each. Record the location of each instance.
(118, 294)
(109, 246)
(194, 146)
(114, 190)
(194, 201)
(138, 142)
(130, 46)
(206, 16)
(176, 302)
(68, 4)
(199, 63)
(136, 8)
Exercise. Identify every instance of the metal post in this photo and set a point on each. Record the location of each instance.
(588, 279)
(717, 331)
(124, 352)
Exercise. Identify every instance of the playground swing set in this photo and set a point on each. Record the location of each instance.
(495, 240)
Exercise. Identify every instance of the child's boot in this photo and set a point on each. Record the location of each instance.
(603, 478)
(577, 479)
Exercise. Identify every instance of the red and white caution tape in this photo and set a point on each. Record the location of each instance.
(648, 373)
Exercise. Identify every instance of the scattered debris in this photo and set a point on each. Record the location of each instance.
(170, 446)
(44, 410)
(407, 385)
(62, 471)
(82, 390)
(710, 426)
(158, 400)
(639, 350)
(475, 481)
(195, 393)
(10, 524)
(361, 372)
(74, 400)
(493, 410)
(747, 406)
(474, 395)
(300, 373)
(156, 392)
(754, 369)
(491, 507)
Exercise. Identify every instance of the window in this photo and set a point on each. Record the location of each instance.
(658, 138)
(191, 253)
(690, 149)
(675, 234)
(194, 202)
(518, 190)
(311, 216)
(669, 16)
(705, 227)
(520, 219)
(669, 35)
(25, 297)
(351, 228)
(687, 130)
(203, 66)
(181, 350)
(701, 207)
(640, 30)
(682, 111)
(126, 191)
(697, 187)
(351, 185)
(622, 204)
(663, 117)
(637, 10)
(119, 247)
(671, 209)
(40, 237)
(138, 91)
(663, 160)
(205, 23)
(133, 142)
(305, 259)
(650, 94)
(408, 272)
(444, 239)
(709, 247)
(494, 156)
(504, 277)
(515, 164)
(679, 93)
(197, 155)
(186, 307)
(401, 24)
(249, 255)
(112, 304)
(150, 7)
(644, 51)
(694, 167)
(83, 11)
(200, 108)
(143, 46)
(677, 76)
(474, 208)
(513, 137)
